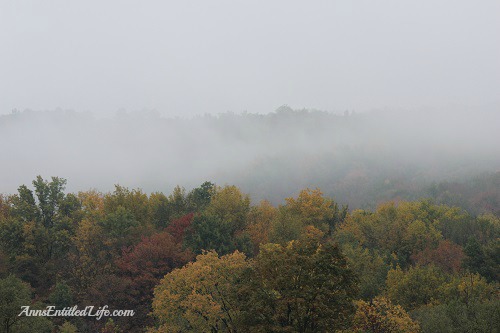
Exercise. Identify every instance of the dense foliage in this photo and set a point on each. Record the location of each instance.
(209, 260)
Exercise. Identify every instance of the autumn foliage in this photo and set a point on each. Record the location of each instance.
(208, 260)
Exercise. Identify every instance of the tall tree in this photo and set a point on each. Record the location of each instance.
(200, 197)
(260, 219)
(46, 222)
(303, 286)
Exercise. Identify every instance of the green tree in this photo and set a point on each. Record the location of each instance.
(13, 294)
(398, 230)
(121, 228)
(285, 227)
(210, 232)
(371, 268)
(338, 217)
(11, 237)
(177, 202)
(415, 287)
(133, 201)
(483, 259)
(61, 296)
(200, 197)
(303, 286)
(50, 195)
(159, 210)
(230, 206)
(24, 205)
(457, 317)
(468, 303)
(43, 229)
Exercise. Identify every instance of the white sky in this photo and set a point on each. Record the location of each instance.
(195, 57)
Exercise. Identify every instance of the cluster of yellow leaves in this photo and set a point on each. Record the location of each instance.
(92, 204)
(311, 207)
(201, 296)
(90, 258)
(259, 222)
(381, 316)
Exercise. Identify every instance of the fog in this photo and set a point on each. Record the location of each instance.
(183, 58)
(154, 94)
(355, 157)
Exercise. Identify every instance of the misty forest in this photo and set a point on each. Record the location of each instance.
(236, 166)
(300, 221)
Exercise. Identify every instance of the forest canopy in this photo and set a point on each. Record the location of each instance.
(210, 259)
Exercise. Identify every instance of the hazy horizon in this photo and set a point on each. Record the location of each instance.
(354, 157)
(141, 76)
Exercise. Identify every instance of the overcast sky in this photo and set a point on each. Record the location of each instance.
(193, 57)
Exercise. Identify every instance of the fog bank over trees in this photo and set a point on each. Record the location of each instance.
(357, 158)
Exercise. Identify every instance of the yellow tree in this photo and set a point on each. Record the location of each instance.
(259, 223)
(92, 204)
(381, 316)
(90, 259)
(312, 208)
(201, 296)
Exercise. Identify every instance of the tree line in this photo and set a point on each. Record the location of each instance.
(210, 260)
(361, 159)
